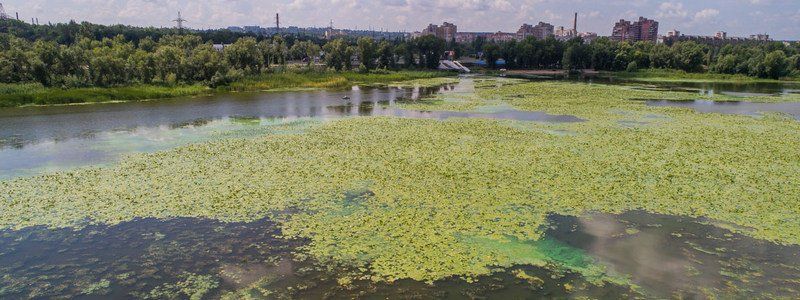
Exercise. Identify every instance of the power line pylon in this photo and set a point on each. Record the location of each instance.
(179, 20)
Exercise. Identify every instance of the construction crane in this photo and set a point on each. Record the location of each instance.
(179, 20)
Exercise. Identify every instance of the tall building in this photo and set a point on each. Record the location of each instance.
(539, 31)
(673, 33)
(760, 37)
(621, 31)
(447, 31)
(562, 32)
(642, 30)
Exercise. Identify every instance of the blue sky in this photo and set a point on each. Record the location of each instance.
(779, 18)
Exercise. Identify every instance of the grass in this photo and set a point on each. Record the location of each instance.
(665, 75)
(34, 94)
(12, 95)
(315, 80)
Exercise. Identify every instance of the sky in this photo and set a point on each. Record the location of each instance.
(779, 18)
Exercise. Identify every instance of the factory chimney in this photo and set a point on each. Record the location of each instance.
(575, 23)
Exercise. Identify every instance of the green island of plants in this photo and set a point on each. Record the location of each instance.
(429, 199)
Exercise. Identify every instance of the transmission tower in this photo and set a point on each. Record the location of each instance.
(3, 14)
(179, 20)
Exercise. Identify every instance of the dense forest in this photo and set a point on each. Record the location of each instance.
(84, 54)
(758, 59)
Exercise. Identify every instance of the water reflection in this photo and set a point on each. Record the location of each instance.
(665, 256)
(682, 257)
(36, 140)
(742, 108)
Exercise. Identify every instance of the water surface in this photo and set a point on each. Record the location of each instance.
(664, 256)
(37, 140)
(734, 107)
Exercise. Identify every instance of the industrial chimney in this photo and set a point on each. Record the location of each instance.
(575, 24)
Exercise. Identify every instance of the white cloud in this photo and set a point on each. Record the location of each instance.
(672, 10)
(705, 14)
(695, 17)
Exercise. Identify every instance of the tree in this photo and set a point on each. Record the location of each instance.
(491, 52)
(349, 52)
(305, 50)
(335, 52)
(279, 50)
(244, 54)
(430, 50)
(603, 54)
(386, 58)
(575, 56)
(367, 52)
(776, 65)
(404, 52)
(508, 51)
(688, 56)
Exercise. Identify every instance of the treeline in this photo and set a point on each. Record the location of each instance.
(85, 54)
(71, 32)
(764, 60)
(188, 59)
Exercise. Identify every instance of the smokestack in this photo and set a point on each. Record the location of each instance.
(17, 16)
(575, 23)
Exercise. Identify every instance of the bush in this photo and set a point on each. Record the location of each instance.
(632, 67)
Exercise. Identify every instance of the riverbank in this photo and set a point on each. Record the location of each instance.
(13, 95)
(663, 75)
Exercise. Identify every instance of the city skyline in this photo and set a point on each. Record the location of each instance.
(779, 18)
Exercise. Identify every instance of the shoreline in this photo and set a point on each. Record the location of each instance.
(33, 95)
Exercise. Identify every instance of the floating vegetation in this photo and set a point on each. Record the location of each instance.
(192, 286)
(455, 197)
(427, 82)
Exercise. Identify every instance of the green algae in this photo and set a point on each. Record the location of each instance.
(447, 198)
(425, 82)
(193, 287)
(544, 252)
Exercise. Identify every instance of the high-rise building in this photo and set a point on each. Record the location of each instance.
(760, 37)
(447, 31)
(539, 31)
(621, 31)
(642, 30)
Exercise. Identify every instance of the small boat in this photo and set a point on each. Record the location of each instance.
(346, 98)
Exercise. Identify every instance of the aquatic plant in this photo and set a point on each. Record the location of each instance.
(193, 287)
(427, 82)
(455, 197)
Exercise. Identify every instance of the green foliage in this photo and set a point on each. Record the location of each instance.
(31, 94)
(193, 287)
(367, 53)
(757, 60)
(430, 49)
(97, 288)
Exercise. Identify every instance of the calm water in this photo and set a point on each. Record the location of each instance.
(36, 140)
(741, 108)
(664, 256)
